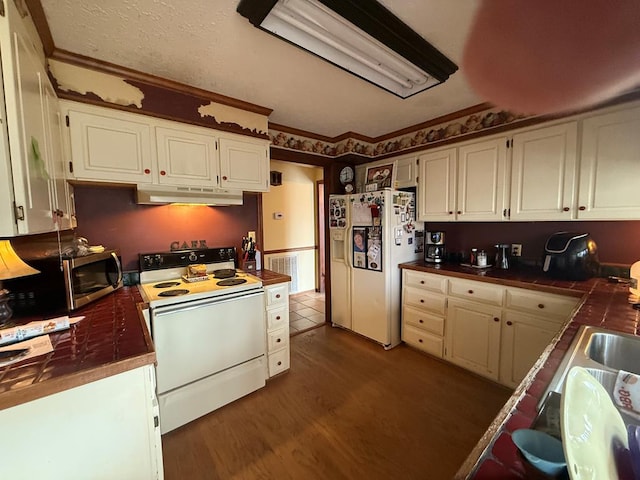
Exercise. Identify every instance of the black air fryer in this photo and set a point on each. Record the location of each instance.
(571, 256)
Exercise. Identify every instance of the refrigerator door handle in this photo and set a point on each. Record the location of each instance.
(348, 247)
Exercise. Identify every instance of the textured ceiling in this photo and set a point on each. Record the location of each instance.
(205, 43)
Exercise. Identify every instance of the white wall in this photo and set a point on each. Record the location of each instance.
(295, 199)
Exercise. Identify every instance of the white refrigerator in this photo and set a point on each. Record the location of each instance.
(371, 233)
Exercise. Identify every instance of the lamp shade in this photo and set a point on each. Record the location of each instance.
(11, 266)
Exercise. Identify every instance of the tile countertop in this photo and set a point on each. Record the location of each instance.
(111, 339)
(603, 304)
(270, 277)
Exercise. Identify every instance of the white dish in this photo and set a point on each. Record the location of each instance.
(593, 431)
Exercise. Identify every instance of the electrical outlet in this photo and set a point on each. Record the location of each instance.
(516, 249)
(252, 235)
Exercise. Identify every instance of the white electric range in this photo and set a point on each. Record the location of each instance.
(209, 335)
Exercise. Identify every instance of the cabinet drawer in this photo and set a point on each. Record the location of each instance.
(277, 295)
(277, 339)
(425, 341)
(426, 281)
(278, 362)
(540, 303)
(423, 320)
(277, 318)
(477, 291)
(424, 300)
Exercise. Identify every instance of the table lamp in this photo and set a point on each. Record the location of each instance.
(11, 266)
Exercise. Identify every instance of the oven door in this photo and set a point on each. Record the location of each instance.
(199, 338)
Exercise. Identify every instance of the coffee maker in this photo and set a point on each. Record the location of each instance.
(435, 251)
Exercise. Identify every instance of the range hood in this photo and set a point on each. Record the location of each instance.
(163, 194)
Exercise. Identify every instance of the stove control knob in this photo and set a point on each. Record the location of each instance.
(193, 257)
(158, 260)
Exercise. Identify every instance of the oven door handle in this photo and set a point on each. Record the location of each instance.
(119, 269)
(193, 304)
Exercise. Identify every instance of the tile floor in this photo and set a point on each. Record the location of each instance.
(306, 311)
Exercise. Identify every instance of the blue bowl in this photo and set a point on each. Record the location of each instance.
(542, 450)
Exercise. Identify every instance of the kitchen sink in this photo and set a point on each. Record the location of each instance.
(602, 353)
(615, 351)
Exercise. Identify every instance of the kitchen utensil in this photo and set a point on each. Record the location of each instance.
(593, 432)
(541, 450)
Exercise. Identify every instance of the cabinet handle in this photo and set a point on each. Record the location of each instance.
(566, 209)
(224, 177)
(509, 323)
(582, 208)
(278, 340)
(496, 319)
(450, 213)
(421, 321)
(541, 305)
(420, 340)
(421, 282)
(422, 300)
(504, 212)
(278, 317)
(162, 172)
(459, 212)
(277, 295)
(470, 292)
(147, 171)
(279, 363)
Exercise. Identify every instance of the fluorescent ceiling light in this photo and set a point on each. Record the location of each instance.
(360, 36)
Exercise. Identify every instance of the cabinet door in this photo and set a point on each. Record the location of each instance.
(523, 339)
(472, 337)
(406, 172)
(186, 157)
(244, 165)
(543, 173)
(57, 164)
(32, 178)
(482, 181)
(610, 166)
(437, 185)
(110, 146)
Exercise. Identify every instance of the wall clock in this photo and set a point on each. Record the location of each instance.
(346, 179)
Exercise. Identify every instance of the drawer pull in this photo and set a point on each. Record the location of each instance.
(422, 300)
(277, 295)
(582, 208)
(470, 292)
(566, 209)
(509, 323)
(162, 172)
(496, 319)
(278, 317)
(279, 363)
(278, 340)
(421, 282)
(224, 177)
(459, 212)
(147, 171)
(450, 213)
(420, 340)
(541, 305)
(421, 321)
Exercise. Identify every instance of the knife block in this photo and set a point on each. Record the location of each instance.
(248, 265)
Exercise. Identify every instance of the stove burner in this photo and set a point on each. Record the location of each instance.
(166, 284)
(231, 281)
(173, 293)
(224, 273)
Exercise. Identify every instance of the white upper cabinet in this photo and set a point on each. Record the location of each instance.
(109, 145)
(407, 172)
(482, 186)
(244, 164)
(186, 157)
(437, 185)
(610, 166)
(28, 183)
(543, 173)
(464, 183)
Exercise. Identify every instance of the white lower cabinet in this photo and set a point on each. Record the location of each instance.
(103, 429)
(493, 330)
(473, 336)
(277, 315)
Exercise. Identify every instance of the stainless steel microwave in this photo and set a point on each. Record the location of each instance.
(66, 284)
(91, 277)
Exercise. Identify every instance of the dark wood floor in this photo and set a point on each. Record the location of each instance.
(347, 409)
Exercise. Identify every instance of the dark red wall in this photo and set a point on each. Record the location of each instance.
(618, 242)
(109, 216)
